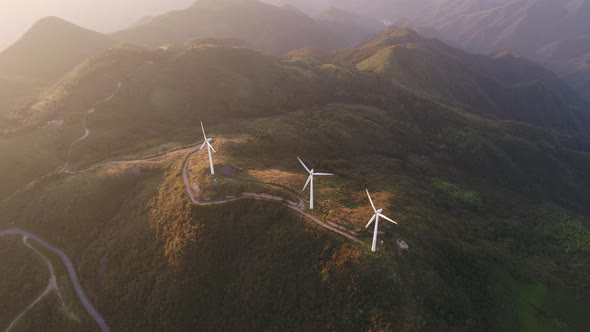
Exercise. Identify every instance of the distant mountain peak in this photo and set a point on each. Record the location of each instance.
(394, 36)
(50, 48)
(264, 26)
(219, 4)
(51, 20)
(336, 15)
(217, 42)
(52, 24)
(505, 53)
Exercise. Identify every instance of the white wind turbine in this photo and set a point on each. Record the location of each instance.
(209, 148)
(378, 214)
(310, 181)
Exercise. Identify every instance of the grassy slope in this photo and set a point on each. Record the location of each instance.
(15, 91)
(34, 149)
(456, 241)
(269, 256)
(503, 86)
(25, 265)
(468, 212)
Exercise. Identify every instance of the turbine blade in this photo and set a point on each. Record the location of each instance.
(202, 146)
(203, 128)
(384, 217)
(211, 146)
(323, 174)
(370, 200)
(301, 161)
(307, 183)
(371, 221)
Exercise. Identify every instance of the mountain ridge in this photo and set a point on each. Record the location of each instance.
(553, 33)
(428, 65)
(47, 49)
(485, 203)
(266, 27)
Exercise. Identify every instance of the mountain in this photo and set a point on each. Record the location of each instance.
(521, 26)
(343, 18)
(50, 49)
(502, 85)
(441, 12)
(391, 10)
(553, 33)
(565, 49)
(274, 29)
(494, 212)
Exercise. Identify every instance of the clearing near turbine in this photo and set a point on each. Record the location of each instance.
(378, 214)
(310, 181)
(209, 148)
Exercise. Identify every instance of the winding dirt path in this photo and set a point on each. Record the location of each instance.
(87, 132)
(297, 207)
(52, 285)
(69, 266)
(85, 127)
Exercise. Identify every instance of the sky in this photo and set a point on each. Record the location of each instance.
(16, 16)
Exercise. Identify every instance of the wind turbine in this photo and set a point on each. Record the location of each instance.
(310, 181)
(209, 148)
(378, 214)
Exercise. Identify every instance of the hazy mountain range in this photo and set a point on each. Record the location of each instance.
(98, 15)
(45, 53)
(482, 159)
(266, 27)
(551, 32)
(391, 10)
(475, 81)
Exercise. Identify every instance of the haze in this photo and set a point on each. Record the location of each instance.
(100, 15)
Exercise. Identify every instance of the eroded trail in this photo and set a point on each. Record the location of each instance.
(295, 206)
(52, 284)
(87, 132)
(85, 127)
(53, 280)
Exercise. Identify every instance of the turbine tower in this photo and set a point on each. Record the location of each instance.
(209, 148)
(378, 214)
(310, 181)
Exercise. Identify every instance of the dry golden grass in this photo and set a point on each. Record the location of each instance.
(279, 177)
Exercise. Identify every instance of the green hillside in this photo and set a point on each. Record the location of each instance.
(502, 85)
(44, 54)
(553, 33)
(466, 232)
